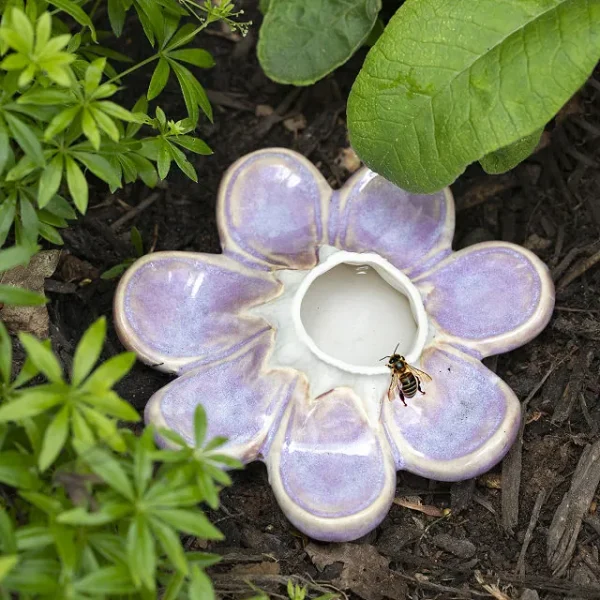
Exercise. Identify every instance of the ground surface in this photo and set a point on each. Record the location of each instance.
(551, 204)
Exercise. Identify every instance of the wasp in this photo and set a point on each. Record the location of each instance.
(406, 379)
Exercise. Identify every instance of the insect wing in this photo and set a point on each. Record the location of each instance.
(419, 373)
(394, 387)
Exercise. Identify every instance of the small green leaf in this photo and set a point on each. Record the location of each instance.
(90, 129)
(61, 208)
(5, 356)
(77, 13)
(7, 564)
(201, 587)
(192, 522)
(200, 425)
(13, 257)
(136, 241)
(15, 470)
(61, 121)
(88, 351)
(194, 56)
(54, 438)
(77, 184)
(171, 544)
(4, 148)
(505, 159)
(111, 405)
(48, 232)
(29, 220)
(183, 163)
(50, 181)
(164, 158)
(105, 466)
(116, 16)
(106, 581)
(116, 111)
(105, 428)
(93, 75)
(8, 540)
(115, 271)
(7, 217)
(43, 357)
(193, 144)
(26, 138)
(109, 372)
(141, 553)
(159, 79)
(100, 167)
(300, 42)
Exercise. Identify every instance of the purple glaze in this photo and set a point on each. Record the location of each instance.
(242, 398)
(264, 210)
(412, 231)
(486, 291)
(331, 457)
(464, 406)
(331, 469)
(187, 306)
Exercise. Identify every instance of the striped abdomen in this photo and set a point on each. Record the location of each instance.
(409, 384)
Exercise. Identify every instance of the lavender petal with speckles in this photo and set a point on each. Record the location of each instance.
(331, 462)
(242, 397)
(270, 209)
(489, 298)
(412, 231)
(177, 309)
(462, 426)
(332, 467)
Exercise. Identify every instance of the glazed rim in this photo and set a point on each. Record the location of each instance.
(393, 277)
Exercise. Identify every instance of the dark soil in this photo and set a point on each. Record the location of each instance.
(551, 204)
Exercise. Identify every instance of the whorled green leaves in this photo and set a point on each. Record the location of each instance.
(451, 82)
(303, 40)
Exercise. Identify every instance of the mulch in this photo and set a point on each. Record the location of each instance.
(530, 528)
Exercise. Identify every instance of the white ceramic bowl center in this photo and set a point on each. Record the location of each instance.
(354, 315)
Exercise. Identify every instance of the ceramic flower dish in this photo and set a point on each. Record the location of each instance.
(280, 337)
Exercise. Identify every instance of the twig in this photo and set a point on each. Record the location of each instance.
(535, 514)
(511, 466)
(565, 526)
(579, 270)
(143, 205)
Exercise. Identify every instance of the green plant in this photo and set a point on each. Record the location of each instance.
(63, 119)
(447, 83)
(89, 509)
(138, 246)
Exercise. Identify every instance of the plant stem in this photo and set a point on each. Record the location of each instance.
(156, 56)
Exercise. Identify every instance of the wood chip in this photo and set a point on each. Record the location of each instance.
(414, 503)
(563, 532)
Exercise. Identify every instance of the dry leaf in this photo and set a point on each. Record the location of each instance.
(295, 124)
(492, 589)
(31, 319)
(365, 571)
(348, 159)
(492, 481)
(414, 503)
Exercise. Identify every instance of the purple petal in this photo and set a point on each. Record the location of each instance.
(178, 309)
(270, 207)
(461, 427)
(489, 298)
(412, 231)
(241, 396)
(330, 472)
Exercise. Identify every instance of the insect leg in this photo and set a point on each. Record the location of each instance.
(402, 397)
(419, 386)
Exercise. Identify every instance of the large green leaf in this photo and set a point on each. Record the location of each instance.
(450, 82)
(303, 40)
(504, 159)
